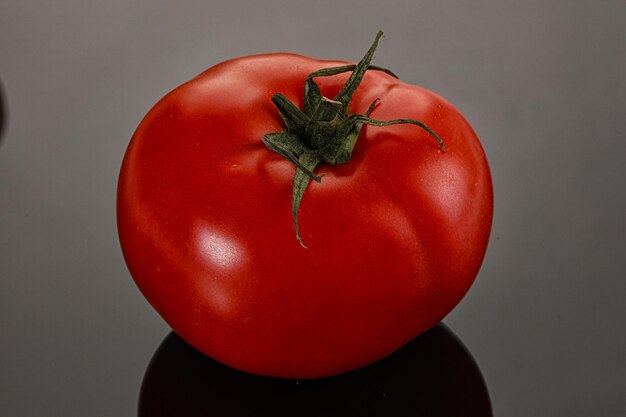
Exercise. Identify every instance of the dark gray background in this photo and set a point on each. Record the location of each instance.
(542, 82)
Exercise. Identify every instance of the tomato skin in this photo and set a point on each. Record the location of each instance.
(395, 237)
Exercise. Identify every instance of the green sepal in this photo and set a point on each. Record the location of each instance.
(310, 160)
(344, 153)
(327, 72)
(366, 120)
(295, 120)
(290, 147)
(313, 95)
(340, 151)
(348, 133)
(348, 89)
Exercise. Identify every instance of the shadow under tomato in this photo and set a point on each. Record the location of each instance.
(435, 375)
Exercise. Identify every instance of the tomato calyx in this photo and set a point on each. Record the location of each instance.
(324, 131)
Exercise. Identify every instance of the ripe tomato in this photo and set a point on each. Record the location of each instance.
(395, 235)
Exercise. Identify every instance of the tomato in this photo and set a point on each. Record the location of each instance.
(395, 230)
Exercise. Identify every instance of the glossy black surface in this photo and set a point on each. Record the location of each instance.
(435, 375)
(542, 83)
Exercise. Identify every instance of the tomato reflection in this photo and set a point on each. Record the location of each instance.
(435, 375)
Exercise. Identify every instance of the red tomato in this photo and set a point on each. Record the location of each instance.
(395, 236)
